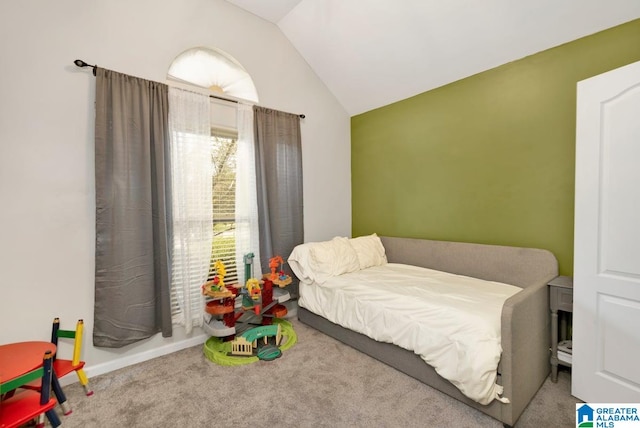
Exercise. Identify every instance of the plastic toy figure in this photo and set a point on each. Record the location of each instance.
(253, 287)
(253, 297)
(216, 288)
(221, 272)
(280, 278)
(274, 263)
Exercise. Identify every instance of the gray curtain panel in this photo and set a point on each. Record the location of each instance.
(132, 296)
(279, 185)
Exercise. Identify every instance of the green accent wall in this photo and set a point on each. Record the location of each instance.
(489, 158)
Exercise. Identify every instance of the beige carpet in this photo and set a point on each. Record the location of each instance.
(320, 382)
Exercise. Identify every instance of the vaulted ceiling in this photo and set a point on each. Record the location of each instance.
(371, 53)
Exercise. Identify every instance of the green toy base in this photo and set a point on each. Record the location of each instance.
(216, 350)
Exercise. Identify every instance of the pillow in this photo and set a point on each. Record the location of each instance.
(369, 250)
(333, 258)
(319, 261)
(300, 262)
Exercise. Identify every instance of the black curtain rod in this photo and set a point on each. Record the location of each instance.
(217, 97)
(82, 64)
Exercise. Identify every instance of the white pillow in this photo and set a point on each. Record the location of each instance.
(369, 250)
(319, 261)
(333, 258)
(300, 262)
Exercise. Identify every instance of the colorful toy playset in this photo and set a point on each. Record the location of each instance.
(245, 321)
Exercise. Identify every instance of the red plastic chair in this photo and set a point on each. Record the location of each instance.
(27, 404)
(63, 367)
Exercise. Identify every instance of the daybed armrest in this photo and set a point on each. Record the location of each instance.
(525, 344)
(512, 265)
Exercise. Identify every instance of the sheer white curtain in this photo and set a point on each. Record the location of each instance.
(191, 181)
(247, 234)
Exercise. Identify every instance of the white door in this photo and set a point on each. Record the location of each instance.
(606, 305)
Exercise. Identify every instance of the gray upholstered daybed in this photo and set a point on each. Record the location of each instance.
(524, 324)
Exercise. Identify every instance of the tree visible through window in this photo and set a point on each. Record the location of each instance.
(224, 199)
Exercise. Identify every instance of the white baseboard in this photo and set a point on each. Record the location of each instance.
(130, 360)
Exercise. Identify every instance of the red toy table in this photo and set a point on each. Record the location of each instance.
(19, 358)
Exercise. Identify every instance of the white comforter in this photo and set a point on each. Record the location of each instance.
(451, 321)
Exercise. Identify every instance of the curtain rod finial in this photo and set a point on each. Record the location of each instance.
(81, 63)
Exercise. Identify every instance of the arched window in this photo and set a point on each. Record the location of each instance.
(215, 70)
(218, 72)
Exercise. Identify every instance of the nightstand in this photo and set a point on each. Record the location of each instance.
(560, 299)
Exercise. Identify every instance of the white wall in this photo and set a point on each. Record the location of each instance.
(46, 142)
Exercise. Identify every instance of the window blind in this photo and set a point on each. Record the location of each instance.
(223, 159)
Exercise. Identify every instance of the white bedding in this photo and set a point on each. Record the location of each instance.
(451, 321)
